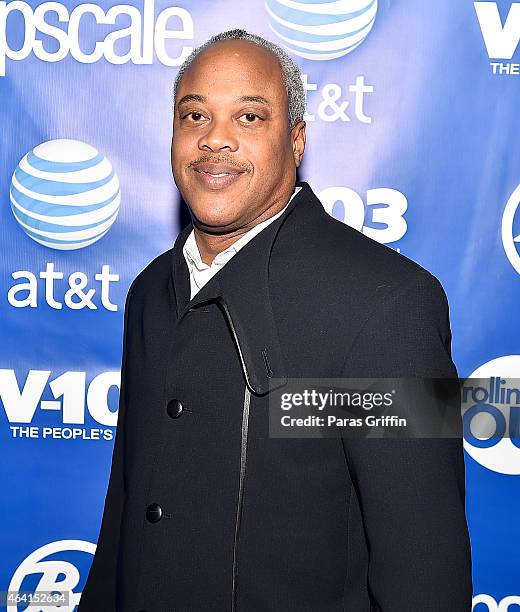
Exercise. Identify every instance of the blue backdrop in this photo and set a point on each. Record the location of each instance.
(412, 138)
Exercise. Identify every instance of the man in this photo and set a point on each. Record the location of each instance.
(204, 510)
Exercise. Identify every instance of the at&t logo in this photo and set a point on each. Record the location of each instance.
(65, 195)
(321, 30)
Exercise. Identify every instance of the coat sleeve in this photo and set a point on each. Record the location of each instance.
(411, 491)
(99, 592)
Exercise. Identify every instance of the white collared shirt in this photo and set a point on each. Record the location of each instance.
(200, 272)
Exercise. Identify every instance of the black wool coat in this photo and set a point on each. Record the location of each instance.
(205, 511)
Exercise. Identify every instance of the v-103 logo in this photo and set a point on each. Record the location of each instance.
(381, 217)
(46, 407)
(501, 37)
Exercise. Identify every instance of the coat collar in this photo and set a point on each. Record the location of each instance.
(241, 289)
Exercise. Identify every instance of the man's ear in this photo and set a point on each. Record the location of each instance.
(298, 142)
(171, 153)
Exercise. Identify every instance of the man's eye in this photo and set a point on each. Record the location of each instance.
(250, 117)
(194, 115)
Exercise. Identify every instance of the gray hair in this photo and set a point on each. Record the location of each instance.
(290, 72)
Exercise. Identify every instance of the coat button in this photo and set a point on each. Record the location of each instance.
(174, 408)
(154, 513)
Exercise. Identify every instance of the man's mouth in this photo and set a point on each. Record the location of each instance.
(213, 174)
(216, 176)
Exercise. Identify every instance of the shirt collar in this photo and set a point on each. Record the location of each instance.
(242, 291)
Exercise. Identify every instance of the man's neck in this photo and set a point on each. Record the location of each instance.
(210, 245)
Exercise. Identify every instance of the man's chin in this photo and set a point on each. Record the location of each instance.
(213, 220)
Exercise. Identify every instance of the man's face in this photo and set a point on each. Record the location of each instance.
(233, 155)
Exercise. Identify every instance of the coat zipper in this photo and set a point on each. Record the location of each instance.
(243, 457)
(243, 450)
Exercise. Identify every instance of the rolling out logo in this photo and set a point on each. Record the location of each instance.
(321, 30)
(65, 195)
(56, 409)
(501, 39)
(139, 42)
(491, 415)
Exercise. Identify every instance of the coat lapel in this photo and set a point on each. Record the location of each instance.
(241, 289)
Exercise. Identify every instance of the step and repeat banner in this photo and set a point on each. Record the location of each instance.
(412, 138)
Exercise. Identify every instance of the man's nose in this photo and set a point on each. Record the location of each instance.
(219, 135)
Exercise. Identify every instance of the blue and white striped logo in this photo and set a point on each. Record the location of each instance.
(65, 194)
(321, 29)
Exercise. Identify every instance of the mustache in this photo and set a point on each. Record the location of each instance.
(223, 159)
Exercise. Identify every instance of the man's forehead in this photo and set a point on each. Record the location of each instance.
(233, 72)
(235, 60)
